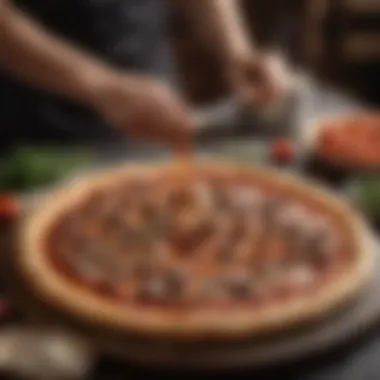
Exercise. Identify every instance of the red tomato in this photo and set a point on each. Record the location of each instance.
(283, 151)
(329, 138)
(9, 208)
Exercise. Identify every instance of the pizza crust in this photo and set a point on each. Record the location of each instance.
(196, 324)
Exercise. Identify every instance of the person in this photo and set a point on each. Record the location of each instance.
(71, 69)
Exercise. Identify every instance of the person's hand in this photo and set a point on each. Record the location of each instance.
(260, 79)
(145, 109)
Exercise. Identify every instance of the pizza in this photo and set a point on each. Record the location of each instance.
(222, 252)
(349, 142)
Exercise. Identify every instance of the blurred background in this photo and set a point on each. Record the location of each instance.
(336, 40)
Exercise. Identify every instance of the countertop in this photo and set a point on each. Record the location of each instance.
(356, 360)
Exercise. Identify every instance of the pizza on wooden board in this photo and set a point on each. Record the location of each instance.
(350, 142)
(235, 253)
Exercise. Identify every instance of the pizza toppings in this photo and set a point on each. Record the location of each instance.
(213, 242)
(300, 277)
(165, 288)
(239, 286)
(87, 269)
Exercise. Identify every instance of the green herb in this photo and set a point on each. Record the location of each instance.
(29, 168)
(367, 194)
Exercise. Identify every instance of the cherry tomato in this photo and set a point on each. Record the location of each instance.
(9, 207)
(283, 151)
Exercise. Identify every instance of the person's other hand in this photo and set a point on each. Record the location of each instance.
(145, 109)
(260, 79)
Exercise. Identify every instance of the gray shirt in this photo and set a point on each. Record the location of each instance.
(129, 34)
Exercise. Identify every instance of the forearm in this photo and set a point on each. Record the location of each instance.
(221, 24)
(29, 52)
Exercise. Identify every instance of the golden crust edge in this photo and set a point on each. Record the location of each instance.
(66, 297)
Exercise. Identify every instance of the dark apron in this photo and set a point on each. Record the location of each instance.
(129, 34)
